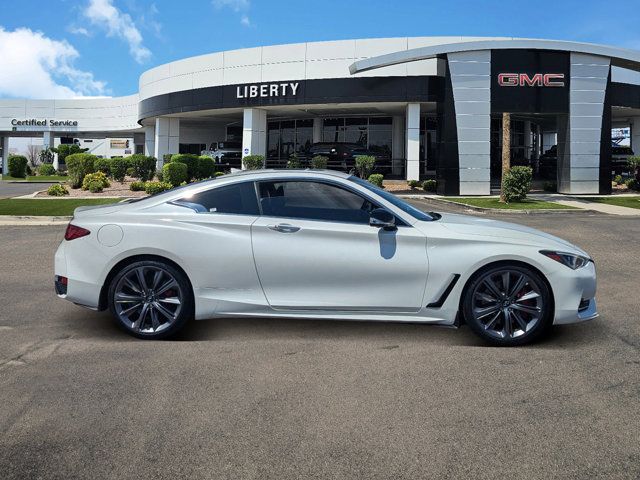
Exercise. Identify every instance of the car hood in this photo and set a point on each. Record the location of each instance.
(469, 225)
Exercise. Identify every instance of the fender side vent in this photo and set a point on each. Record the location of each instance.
(445, 294)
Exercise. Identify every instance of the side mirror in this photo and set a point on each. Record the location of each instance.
(382, 218)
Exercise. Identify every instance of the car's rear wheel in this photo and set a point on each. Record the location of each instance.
(508, 305)
(151, 299)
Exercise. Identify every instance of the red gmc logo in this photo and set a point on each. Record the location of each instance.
(537, 80)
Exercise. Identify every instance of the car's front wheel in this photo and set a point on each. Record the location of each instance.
(508, 305)
(150, 299)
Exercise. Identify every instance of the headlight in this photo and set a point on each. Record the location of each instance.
(571, 260)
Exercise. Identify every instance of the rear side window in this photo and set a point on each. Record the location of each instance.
(313, 201)
(237, 199)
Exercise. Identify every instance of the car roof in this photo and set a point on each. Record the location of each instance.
(269, 172)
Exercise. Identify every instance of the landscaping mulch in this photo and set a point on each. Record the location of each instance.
(116, 189)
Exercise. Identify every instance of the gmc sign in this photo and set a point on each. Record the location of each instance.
(537, 80)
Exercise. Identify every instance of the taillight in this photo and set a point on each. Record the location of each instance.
(73, 232)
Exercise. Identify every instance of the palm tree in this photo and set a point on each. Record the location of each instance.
(506, 150)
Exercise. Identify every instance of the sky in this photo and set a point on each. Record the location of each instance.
(67, 49)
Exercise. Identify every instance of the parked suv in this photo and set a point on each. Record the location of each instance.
(619, 156)
(341, 155)
(227, 153)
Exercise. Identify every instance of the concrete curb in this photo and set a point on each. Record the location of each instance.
(13, 220)
(537, 211)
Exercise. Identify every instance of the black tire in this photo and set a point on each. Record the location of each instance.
(169, 317)
(518, 319)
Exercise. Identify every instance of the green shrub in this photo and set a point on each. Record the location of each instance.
(219, 174)
(634, 164)
(253, 162)
(118, 168)
(79, 165)
(57, 190)
(617, 179)
(166, 158)
(156, 187)
(143, 167)
(376, 179)
(174, 173)
(46, 169)
(95, 180)
(517, 183)
(632, 184)
(294, 161)
(206, 167)
(66, 150)
(429, 186)
(319, 162)
(364, 165)
(159, 175)
(413, 184)
(29, 171)
(137, 186)
(18, 166)
(550, 187)
(190, 160)
(102, 165)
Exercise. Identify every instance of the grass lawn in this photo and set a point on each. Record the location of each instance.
(528, 204)
(48, 207)
(631, 202)
(38, 178)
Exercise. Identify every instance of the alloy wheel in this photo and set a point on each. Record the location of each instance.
(507, 303)
(148, 299)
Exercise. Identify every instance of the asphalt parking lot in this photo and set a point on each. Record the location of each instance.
(318, 399)
(13, 189)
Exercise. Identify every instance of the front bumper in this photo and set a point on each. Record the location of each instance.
(574, 293)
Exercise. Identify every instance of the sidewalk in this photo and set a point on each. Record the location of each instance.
(583, 203)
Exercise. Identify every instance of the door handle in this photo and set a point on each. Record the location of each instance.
(284, 228)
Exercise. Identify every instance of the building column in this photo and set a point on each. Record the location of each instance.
(579, 168)
(317, 130)
(166, 138)
(471, 85)
(412, 137)
(397, 145)
(254, 132)
(150, 141)
(5, 155)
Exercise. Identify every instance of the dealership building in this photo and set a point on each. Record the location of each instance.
(428, 107)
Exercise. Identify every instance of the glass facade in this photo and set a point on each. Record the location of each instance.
(286, 137)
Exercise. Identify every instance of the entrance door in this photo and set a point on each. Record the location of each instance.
(314, 249)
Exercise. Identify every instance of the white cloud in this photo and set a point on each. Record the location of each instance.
(235, 5)
(35, 66)
(103, 14)
(78, 30)
(238, 6)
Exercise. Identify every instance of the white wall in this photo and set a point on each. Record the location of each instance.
(299, 61)
(92, 114)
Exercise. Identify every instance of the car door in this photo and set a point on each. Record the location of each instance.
(314, 249)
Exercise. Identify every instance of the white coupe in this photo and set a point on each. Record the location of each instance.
(321, 245)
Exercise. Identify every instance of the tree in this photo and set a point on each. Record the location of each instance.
(506, 151)
(65, 150)
(33, 154)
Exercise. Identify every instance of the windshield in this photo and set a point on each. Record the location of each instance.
(401, 204)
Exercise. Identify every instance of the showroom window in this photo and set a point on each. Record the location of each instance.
(313, 201)
(286, 137)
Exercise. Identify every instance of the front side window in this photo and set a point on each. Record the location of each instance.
(236, 199)
(313, 201)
